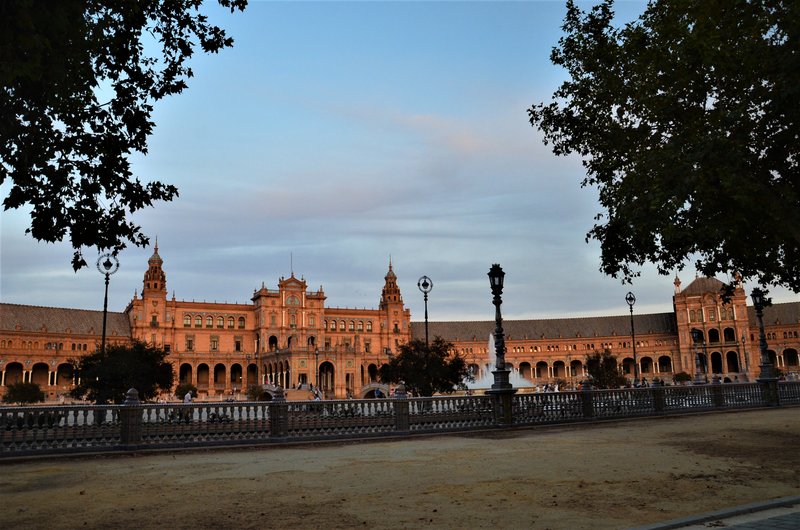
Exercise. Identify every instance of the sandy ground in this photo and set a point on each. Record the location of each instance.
(611, 475)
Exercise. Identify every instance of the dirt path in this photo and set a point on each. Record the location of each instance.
(591, 476)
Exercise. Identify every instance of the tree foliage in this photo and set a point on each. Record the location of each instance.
(183, 388)
(79, 81)
(603, 370)
(687, 123)
(107, 378)
(426, 370)
(681, 377)
(23, 393)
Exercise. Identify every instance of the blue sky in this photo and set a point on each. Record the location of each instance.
(335, 135)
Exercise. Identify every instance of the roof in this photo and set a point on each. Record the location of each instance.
(702, 286)
(560, 328)
(58, 320)
(776, 314)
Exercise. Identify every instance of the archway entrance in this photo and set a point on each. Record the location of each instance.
(327, 378)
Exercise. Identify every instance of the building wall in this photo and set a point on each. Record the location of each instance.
(288, 336)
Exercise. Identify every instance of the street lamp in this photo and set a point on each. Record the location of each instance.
(107, 264)
(759, 302)
(496, 276)
(697, 338)
(425, 285)
(632, 300)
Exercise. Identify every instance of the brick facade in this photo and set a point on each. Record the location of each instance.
(288, 336)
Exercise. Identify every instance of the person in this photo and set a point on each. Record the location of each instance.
(188, 397)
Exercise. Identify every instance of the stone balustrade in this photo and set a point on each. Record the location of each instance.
(70, 429)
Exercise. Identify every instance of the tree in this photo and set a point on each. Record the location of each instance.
(183, 388)
(687, 123)
(107, 378)
(426, 370)
(257, 393)
(79, 81)
(603, 370)
(23, 393)
(681, 377)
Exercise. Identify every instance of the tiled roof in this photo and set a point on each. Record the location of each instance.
(702, 286)
(560, 328)
(59, 319)
(777, 314)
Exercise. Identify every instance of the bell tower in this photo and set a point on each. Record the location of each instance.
(155, 281)
(391, 292)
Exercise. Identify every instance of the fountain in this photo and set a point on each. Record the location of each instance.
(487, 379)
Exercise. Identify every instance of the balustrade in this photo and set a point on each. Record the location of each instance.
(52, 429)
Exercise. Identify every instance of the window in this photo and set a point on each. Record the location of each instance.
(237, 344)
(369, 325)
(292, 301)
(241, 322)
(367, 346)
(198, 321)
(214, 343)
(352, 326)
(187, 321)
(230, 322)
(190, 343)
(220, 322)
(293, 320)
(166, 348)
(273, 320)
(333, 325)
(360, 325)
(311, 321)
(209, 322)
(342, 325)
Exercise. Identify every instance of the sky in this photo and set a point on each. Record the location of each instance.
(337, 136)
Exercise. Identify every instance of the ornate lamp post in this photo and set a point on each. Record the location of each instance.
(697, 338)
(425, 285)
(759, 302)
(496, 276)
(632, 300)
(107, 264)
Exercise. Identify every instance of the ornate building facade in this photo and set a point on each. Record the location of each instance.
(288, 336)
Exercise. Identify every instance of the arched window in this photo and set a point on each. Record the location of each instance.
(369, 325)
(198, 321)
(692, 315)
(360, 325)
(209, 322)
(187, 321)
(352, 326)
(220, 322)
(230, 322)
(333, 325)
(241, 322)
(342, 325)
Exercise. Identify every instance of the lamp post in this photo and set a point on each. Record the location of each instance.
(496, 276)
(697, 338)
(425, 285)
(759, 302)
(632, 300)
(107, 264)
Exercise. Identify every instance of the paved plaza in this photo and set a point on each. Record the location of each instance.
(607, 475)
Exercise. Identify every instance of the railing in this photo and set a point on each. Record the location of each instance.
(59, 429)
